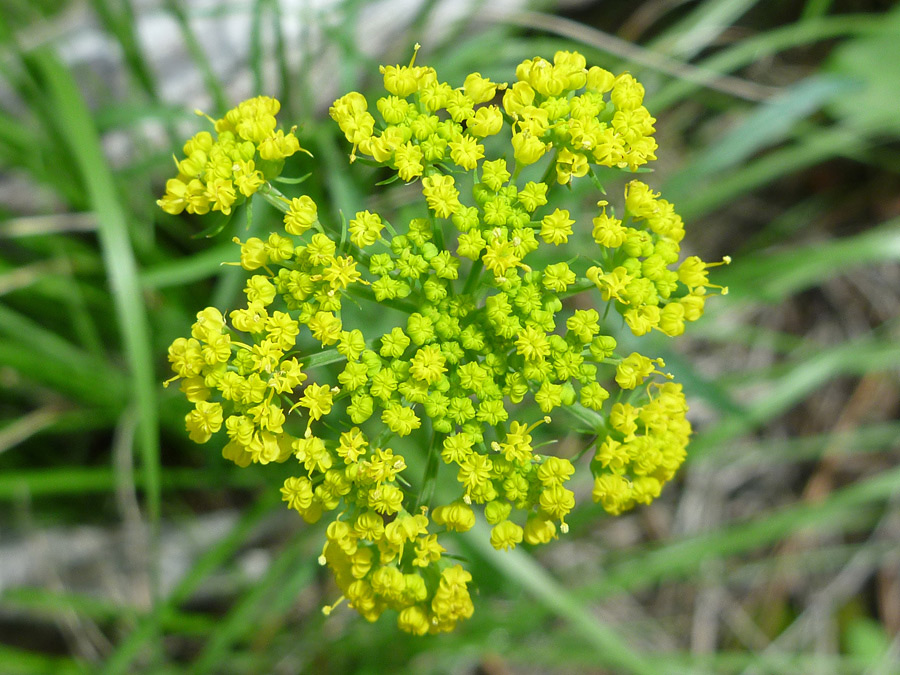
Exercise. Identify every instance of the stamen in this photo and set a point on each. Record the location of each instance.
(416, 48)
(546, 420)
(200, 113)
(328, 609)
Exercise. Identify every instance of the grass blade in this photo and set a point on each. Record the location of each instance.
(791, 384)
(610, 647)
(768, 124)
(76, 480)
(21, 662)
(701, 27)
(772, 276)
(79, 132)
(812, 148)
(765, 45)
(680, 558)
(283, 576)
(180, 271)
(128, 651)
(213, 84)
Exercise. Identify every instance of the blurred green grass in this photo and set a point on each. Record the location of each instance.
(778, 145)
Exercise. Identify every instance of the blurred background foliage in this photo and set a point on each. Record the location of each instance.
(126, 548)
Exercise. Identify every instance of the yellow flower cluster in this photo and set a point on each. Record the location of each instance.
(637, 253)
(643, 450)
(429, 598)
(217, 174)
(584, 115)
(486, 350)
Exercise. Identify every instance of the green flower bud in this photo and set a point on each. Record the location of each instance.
(603, 346)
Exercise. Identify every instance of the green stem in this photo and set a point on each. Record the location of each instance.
(550, 167)
(437, 232)
(595, 179)
(587, 446)
(500, 430)
(474, 276)
(390, 229)
(577, 288)
(515, 174)
(382, 438)
(275, 197)
(366, 293)
(431, 469)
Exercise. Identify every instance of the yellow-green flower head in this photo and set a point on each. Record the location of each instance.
(528, 148)
(352, 115)
(204, 421)
(219, 172)
(441, 194)
(473, 326)
(301, 215)
(466, 152)
(556, 227)
(408, 159)
(401, 80)
(487, 121)
(480, 89)
(458, 516)
(505, 535)
(627, 93)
